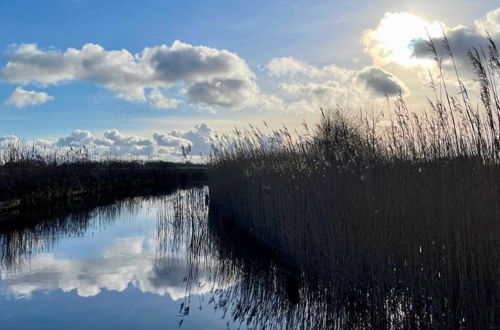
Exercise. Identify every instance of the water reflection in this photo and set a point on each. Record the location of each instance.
(172, 246)
(127, 261)
(28, 265)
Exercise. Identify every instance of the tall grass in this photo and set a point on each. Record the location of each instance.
(37, 176)
(409, 204)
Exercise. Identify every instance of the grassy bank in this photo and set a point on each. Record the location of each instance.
(35, 179)
(409, 205)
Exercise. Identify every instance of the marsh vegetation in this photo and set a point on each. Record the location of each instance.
(406, 205)
(37, 177)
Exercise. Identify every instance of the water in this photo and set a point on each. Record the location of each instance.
(167, 262)
(140, 263)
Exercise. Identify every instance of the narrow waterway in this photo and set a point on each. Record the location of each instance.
(127, 265)
(167, 262)
(139, 263)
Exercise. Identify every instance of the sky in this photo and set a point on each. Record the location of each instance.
(146, 77)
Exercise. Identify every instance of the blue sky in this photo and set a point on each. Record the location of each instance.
(327, 35)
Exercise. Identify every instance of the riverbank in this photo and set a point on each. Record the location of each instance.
(33, 183)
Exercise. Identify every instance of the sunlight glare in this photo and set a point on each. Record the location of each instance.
(392, 40)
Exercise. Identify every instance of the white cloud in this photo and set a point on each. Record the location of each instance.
(321, 92)
(222, 92)
(281, 66)
(289, 66)
(121, 145)
(306, 88)
(126, 140)
(489, 23)
(77, 138)
(201, 138)
(21, 98)
(167, 146)
(127, 75)
(159, 101)
(168, 140)
(315, 87)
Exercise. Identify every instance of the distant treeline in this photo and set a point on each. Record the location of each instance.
(35, 179)
(409, 205)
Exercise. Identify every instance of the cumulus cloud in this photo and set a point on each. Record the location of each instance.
(120, 144)
(21, 98)
(461, 39)
(319, 90)
(489, 23)
(159, 101)
(119, 139)
(289, 66)
(185, 62)
(311, 87)
(310, 96)
(222, 92)
(113, 142)
(167, 140)
(128, 76)
(315, 87)
(280, 66)
(381, 82)
(200, 137)
(77, 138)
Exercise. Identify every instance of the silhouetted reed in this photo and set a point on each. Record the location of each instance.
(251, 285)
(408, 205)
(36, 176)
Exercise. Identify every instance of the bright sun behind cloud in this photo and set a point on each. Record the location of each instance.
(392, 39)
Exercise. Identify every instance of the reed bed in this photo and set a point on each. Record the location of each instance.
(409, 205)
(37, 177)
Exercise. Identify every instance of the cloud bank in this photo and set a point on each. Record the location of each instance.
(208, 75)
(308, 87)
(166, 146)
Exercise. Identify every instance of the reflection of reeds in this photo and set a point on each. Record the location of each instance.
(35, 232)
(409, 206)
(249, 285)
(182, 233)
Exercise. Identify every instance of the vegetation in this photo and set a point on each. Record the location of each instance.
(408, 205)
(37, 178)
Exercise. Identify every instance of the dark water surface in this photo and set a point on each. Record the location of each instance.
(129, 265)
(156, 262)
(166, 261)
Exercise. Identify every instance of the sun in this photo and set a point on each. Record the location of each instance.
(392, 39)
